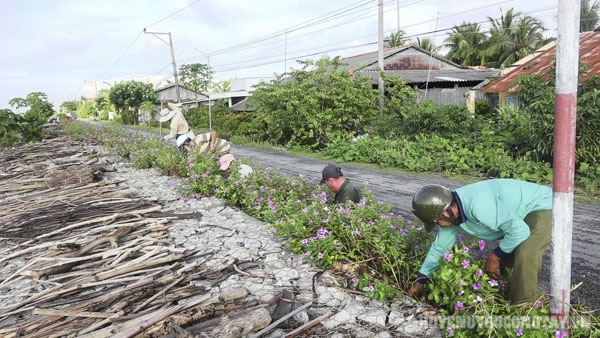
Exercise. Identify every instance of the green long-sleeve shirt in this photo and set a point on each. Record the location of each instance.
(491, 210)
(348, 192)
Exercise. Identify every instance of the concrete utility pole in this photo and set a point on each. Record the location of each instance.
(380, 64)
(567, 69)
(170, 43)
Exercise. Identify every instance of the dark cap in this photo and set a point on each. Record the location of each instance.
(331, 171)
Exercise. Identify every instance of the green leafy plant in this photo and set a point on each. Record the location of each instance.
(473, 304)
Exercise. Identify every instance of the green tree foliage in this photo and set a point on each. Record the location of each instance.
(395, 39)
(221, 86)
(431, 118)
(317, 104)
(588, 18)
(510, 38)
(103, 104)
(127, 97)
(9, 127)
(198, 117)
(538, 100)
(513, 37)
(465, 43)
(38, 111)
(399, 100)
(68, 106)
(86, 110)
(427, 44)
(196, 76)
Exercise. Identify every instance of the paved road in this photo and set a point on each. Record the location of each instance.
(398, 189)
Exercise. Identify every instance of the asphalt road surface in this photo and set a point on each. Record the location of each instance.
(397, 189)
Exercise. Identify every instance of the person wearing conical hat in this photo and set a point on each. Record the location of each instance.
(179, 125)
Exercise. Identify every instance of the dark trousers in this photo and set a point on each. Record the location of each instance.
(526, 259)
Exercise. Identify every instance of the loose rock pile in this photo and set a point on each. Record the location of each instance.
(122, 254)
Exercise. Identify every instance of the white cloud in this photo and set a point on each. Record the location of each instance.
(61, 46)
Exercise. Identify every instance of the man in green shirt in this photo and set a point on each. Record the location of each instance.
(517, 213)
(342, 187)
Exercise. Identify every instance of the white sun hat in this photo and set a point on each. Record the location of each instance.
(166, 115)
(181, 140)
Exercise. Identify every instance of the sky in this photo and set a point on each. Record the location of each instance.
(70, 49)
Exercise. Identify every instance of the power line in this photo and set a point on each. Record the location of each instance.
(121, 56)
(172, 14)
(353, 13)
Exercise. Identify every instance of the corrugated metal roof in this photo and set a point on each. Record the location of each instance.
(589, 54)
(415, 65)
(438, 75)
(409, 57)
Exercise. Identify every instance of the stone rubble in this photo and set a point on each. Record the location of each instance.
(227, 234)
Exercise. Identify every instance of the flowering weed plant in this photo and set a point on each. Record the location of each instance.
(472, 304)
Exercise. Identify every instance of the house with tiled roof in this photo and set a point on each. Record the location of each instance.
(431, 76)
(504, 89)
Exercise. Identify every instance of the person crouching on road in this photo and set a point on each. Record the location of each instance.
(179, 125)
(517, 213)
(185, 144)
(226, 163)
(210, 143)
(344, 190)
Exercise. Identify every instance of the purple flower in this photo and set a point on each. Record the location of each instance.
(479, 273)
(518, 331)
(466, 264)
(448, 256)
(459, 306)
(356, 231)
(466, 249)
(493, 282)
(354, 280)
(481, 245)
(304, 241)
(538, 304)
(402, 231)
(462, 282)
(371, 288)
(560, 334)
(450, 330)
(461, 292)
(320, 255)
(325, 220)
(476, 286)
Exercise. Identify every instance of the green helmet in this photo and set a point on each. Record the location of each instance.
(429, 202)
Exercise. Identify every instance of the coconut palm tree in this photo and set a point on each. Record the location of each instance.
(427, 44)
(588, 19)
(395, 39)
(513, 37)
(465, 43)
